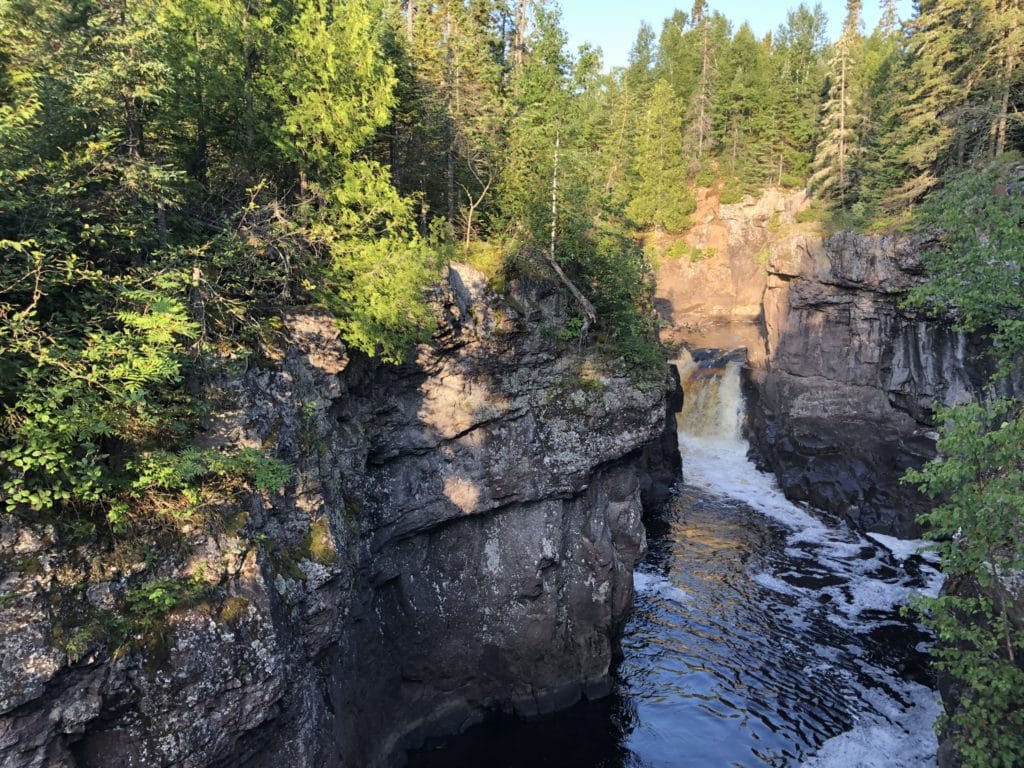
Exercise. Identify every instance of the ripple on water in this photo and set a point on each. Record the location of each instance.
(763, 635)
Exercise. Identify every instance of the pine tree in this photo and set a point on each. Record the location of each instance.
(663, 199)
(799, 46)
(742, 108)
(880, 98)
(935, 115)
(838, 153)
(676, 60)
(700, 115)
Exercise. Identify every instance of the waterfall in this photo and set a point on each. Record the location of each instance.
(855, 583)
(712, 399)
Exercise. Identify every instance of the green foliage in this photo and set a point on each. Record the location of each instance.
(977, 273)
(320, 542)
(980, 482)
(367, 231)
(663, 198)
(151, 601)
(974, 635)
(172, 176)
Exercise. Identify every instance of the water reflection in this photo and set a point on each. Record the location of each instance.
(762, 635)
(589, 734)
(734, 657)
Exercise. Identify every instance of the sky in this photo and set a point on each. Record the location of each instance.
(612, 24)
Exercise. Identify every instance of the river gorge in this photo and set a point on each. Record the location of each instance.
(465, 539)
(764, 633)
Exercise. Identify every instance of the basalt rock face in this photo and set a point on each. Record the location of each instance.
(841, 380)
(722, 280)
(459, 537)
(843, 405)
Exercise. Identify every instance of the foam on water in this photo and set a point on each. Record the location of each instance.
(862, 580)
(654, 584)
(900, 735)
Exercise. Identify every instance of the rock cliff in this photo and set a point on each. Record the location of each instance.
(843, 406)
(841, 379)
(459, 537)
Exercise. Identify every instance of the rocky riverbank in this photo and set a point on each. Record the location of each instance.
(459, 537)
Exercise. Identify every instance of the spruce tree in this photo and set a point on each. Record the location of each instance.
(798, 58)
(663, 199)
(837, 157)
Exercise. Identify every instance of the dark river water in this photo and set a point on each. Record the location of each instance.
(762, 635)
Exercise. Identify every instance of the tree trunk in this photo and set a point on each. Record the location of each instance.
(589, 314)
(450, 88)
(842, 132)
(200, 155)
(519, 34)
(554, 192)
(132, 129)
(705, 82)
(1004, 107)
(249, 78)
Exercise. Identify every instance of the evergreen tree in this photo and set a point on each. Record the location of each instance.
(798, 60)
(663, 199)
(742, 108)
(940, 47)
(839, 153)
(884, 58)
(676, 59)
(700, 115)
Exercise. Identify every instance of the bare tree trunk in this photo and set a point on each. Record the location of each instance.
(474, 203)
(249, 78)
(589, 314)
(554, 193)
(620, 139)
(705, 83)
(200, 156)
(1004, 107)
(409, 18)
(161, 224)
(842, 132)
(519, 34)
(450, 88)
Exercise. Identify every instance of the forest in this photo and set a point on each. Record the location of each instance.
(176, 174)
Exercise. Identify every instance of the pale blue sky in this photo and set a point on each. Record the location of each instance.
(612, 24)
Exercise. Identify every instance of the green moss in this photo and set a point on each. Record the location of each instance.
(234, 609)
(488, 258)
(235, 524)
(320, 542)
(809, 215)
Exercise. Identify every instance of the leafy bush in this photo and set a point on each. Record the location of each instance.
(980, 534)
(976, 277)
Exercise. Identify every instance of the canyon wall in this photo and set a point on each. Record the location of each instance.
(459, 538)
(840, 378)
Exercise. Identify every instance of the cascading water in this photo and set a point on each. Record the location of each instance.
(762, 635)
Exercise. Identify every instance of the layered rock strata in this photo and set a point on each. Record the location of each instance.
(842, 379)
(459, 537)
(844, 404)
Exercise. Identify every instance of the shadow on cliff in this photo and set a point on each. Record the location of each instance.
(844, 404)
(498, 523)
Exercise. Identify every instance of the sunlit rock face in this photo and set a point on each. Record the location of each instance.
(841, 379)
(460, 537)
(718, 279)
